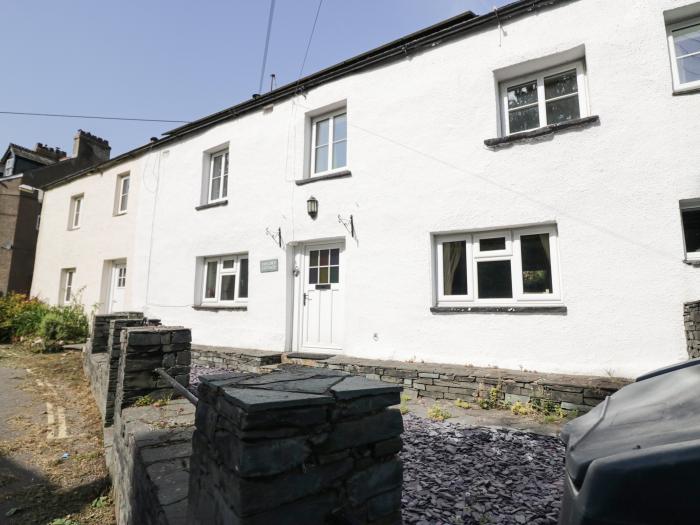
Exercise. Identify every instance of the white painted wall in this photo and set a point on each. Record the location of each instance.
(419, 166)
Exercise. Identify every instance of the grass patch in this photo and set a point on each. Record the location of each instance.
(438, 413)
(460, 403)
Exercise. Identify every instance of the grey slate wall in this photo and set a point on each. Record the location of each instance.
(297, 442)
(691, 321)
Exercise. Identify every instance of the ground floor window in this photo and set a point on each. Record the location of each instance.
(225, 279)
(67, 278)
(690, 215)
(506, 266)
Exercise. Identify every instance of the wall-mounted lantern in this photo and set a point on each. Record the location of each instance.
(312, 207)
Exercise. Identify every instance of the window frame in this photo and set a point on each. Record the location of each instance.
(539, 77)
(224, 176)
(220, 272)
(512, 253)
(67, 285)
(329, 115)
(679, 87)
(76, 211)
(691, 205)
(121, 179)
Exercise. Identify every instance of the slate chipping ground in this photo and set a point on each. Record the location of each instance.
(461, 475)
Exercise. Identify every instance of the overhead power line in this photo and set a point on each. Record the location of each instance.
(267, 44)
(311, 37)
(98, 117)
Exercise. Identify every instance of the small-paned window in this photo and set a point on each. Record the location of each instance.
(225, 279)
(218, 176)
(508, 266)
(329, 151)
(76, 209)
(67, 278)
(684, 46)
(123, 184)
(550, 97)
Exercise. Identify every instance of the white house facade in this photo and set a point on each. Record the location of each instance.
(519, 189)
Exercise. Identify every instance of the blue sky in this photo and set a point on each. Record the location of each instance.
(175, 59)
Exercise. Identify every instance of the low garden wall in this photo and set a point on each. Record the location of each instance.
(436, 381)
(245, 360)
(294, 446)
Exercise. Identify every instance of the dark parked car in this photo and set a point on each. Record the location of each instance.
(635, 458)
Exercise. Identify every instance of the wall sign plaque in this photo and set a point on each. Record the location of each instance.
(269, 265)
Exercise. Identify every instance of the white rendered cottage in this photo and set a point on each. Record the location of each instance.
(518, 189)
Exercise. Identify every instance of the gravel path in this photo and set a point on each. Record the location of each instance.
(461, 475)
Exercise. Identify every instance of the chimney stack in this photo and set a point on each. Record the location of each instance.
(89, 146)
(53, 153)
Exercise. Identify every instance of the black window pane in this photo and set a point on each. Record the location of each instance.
(243, 283)
(313, 275)
(335, 255)
(560, 85)
(523, 119)
(228, 287)
(335, 274)
(489, 245)
(454, 268)
(562, 110)
(522, 95)
(313, 258)
(324, 258)
(537, 263)
(494, 280)
(691, 230)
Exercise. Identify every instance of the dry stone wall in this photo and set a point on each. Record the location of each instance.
(297, 442)
(691, 322)
(99, 331)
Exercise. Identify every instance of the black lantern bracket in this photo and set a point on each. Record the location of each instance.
(275, 236)
(349, 224)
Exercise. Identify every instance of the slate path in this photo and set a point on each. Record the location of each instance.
(461, 475)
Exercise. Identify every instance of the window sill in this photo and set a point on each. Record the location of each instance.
(337, 175)
(692, 262)
(541, 132)
(514, 309)
(679, 92)
(211, 205)
(216, 308)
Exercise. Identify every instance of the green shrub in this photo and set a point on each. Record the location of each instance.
(20, 316)
(64, 323)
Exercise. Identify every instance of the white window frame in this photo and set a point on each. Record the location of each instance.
(67, 285)
(76, 211)
(677, 85)
(512, 254)
(329, 116)
(121, 179)
(225, 168)
(220, 272)
(690, 205)
(539, 77)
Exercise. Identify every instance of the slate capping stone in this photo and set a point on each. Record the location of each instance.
(211, 205)
(498, 309)
(213, 308)
(540, 132)
(259, 399)
(357, 386)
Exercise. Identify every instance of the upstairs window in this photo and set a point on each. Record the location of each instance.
(684, 45)
(76, 209)
(123, 183)
(498, 267)
(690, 216)
(225, 279)
(549, 97)
(218, 176)
(66, 293)
(329, 152)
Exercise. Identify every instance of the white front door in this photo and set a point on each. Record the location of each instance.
(118, 286)
(322, 298)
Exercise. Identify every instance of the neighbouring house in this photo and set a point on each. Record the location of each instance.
(22, 172)
(519, 189)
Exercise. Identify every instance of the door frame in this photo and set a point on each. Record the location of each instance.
(298, 277)
(113, 282)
